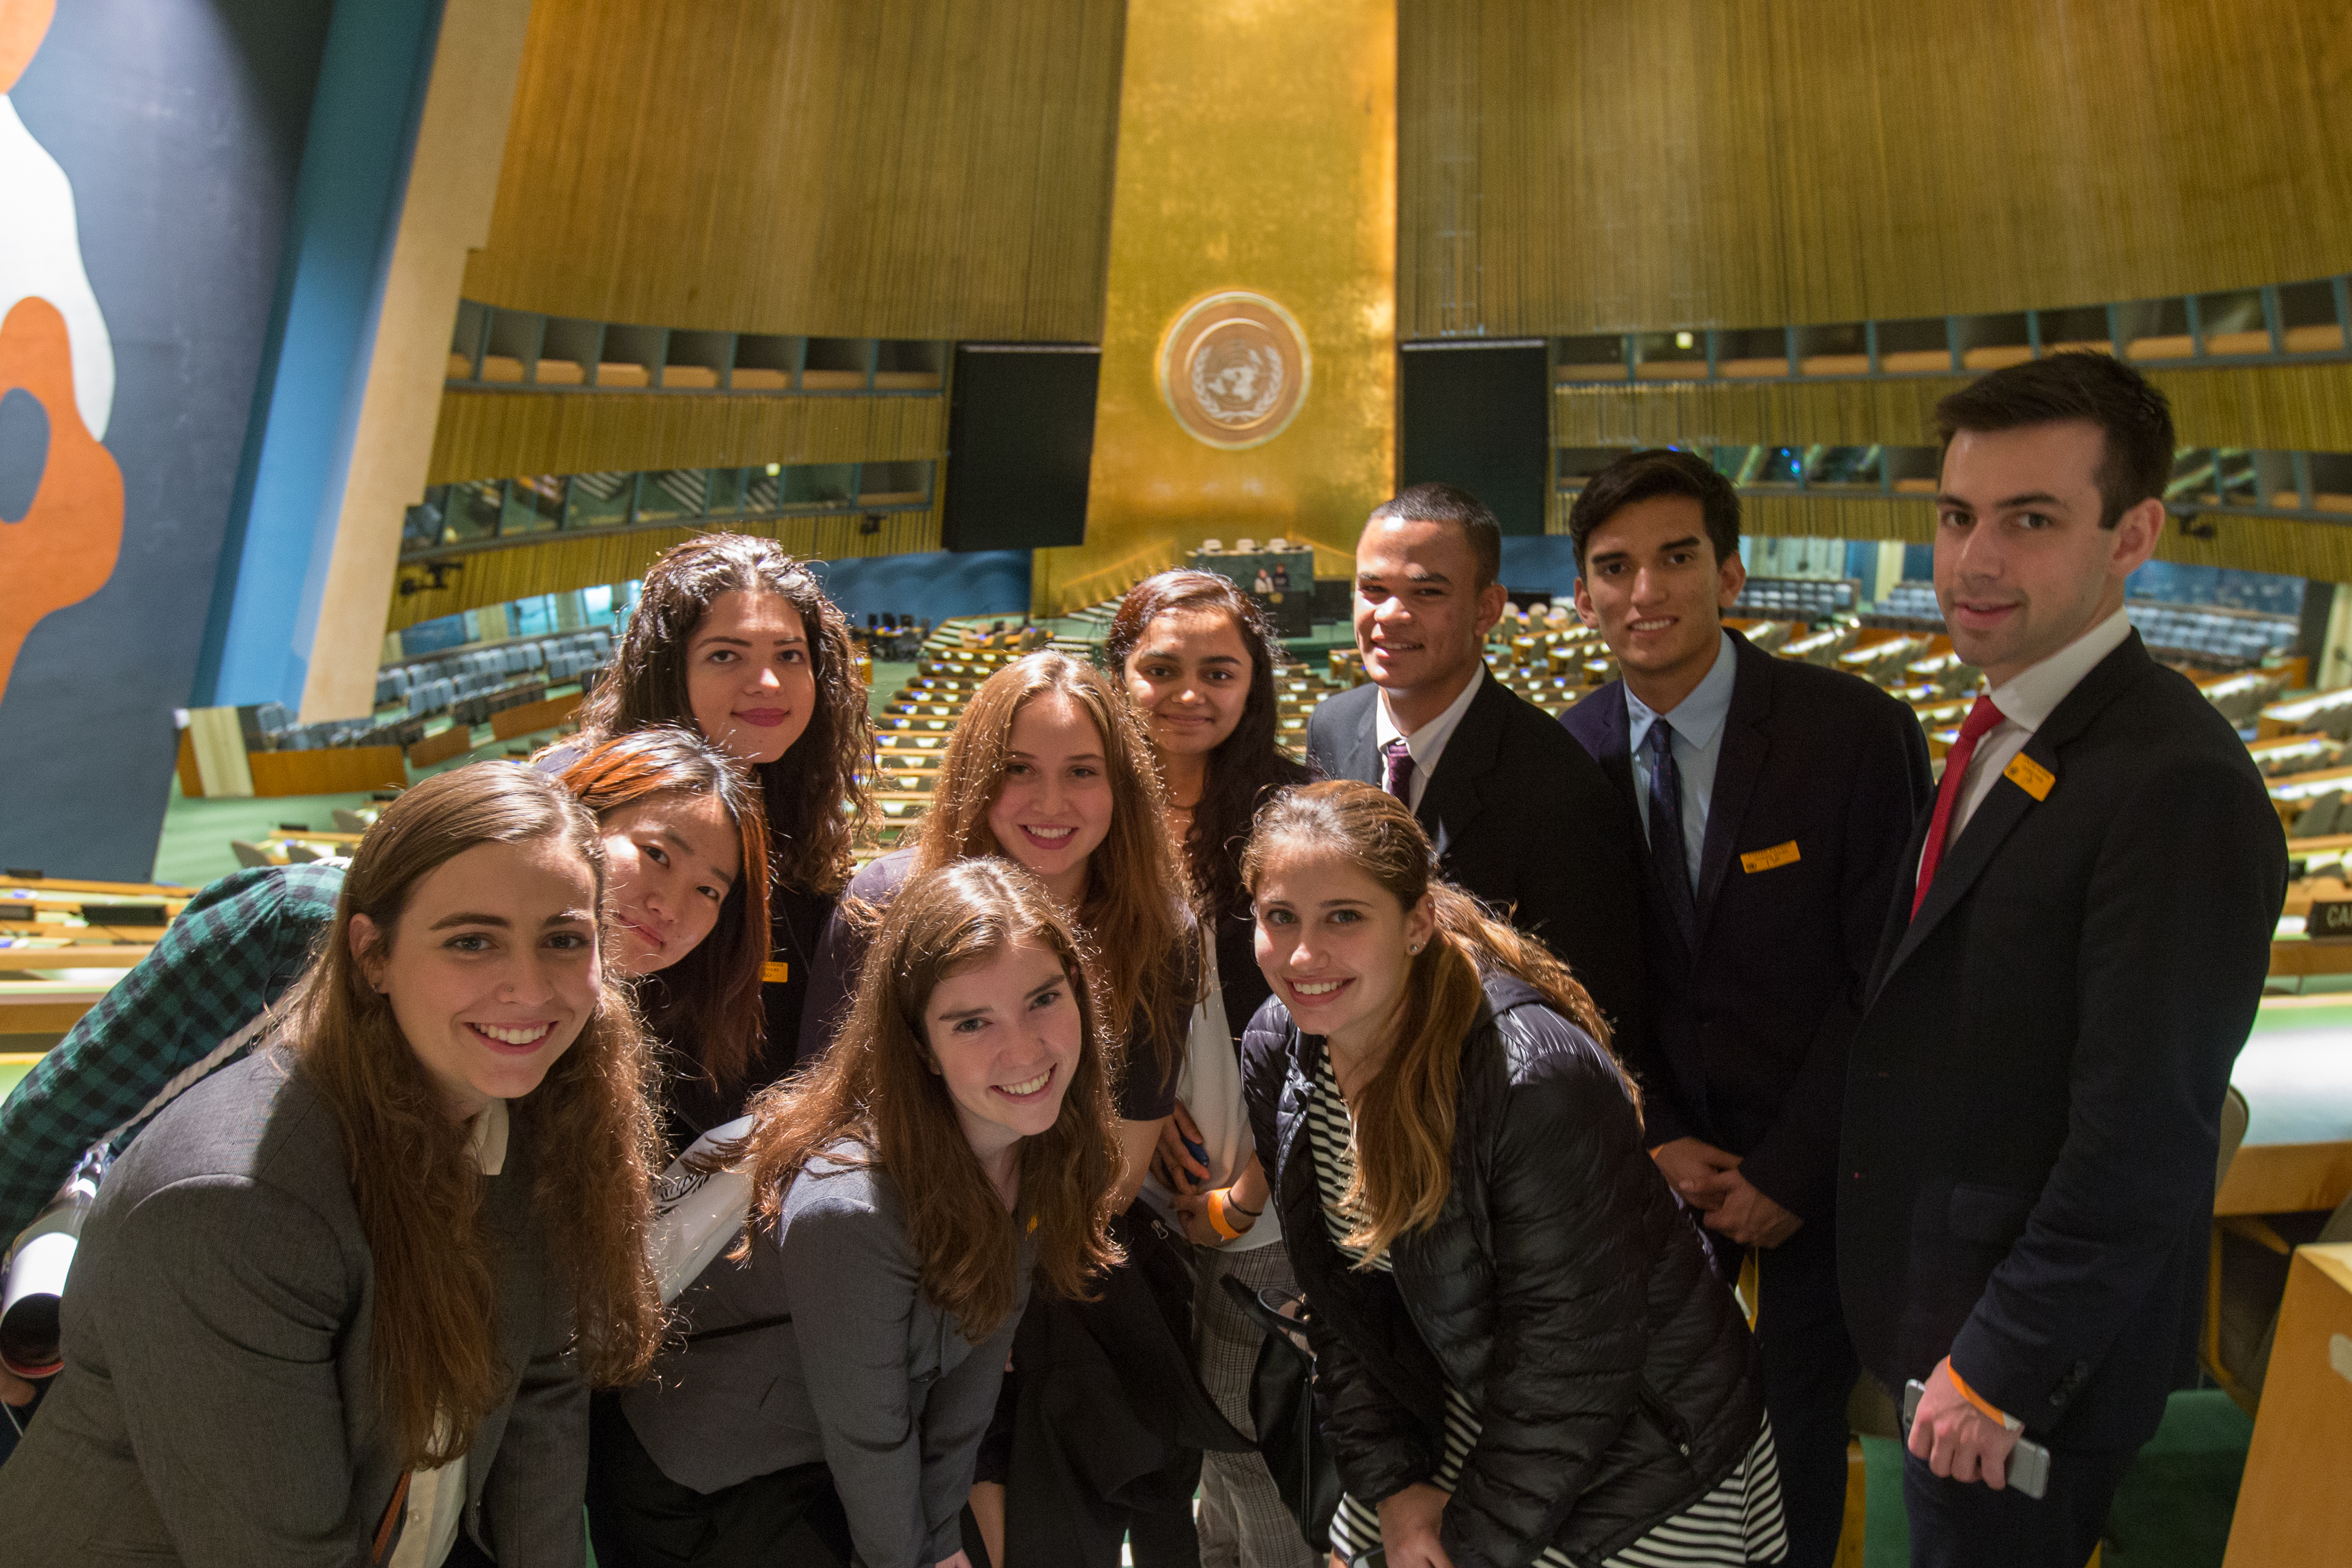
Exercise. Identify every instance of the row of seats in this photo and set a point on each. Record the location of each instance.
(431, 686)
(1795, 598)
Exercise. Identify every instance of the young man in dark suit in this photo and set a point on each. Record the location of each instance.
(2076, 952)
(1773, 800)
(1520, 816)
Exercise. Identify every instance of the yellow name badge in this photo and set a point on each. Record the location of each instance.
(1768, 860)
(775, 973)
(2030, 776)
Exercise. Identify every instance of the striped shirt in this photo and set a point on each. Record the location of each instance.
(1738, 1523)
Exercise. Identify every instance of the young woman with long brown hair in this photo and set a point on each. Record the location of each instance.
(1197, 660)
(1521, 1351)
(733, 637)
(955, 1142)
(334, 1305)
(1048, 768)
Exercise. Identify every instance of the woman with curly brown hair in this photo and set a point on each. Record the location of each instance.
(334, 1305)
(734, 638)
(955, 1142)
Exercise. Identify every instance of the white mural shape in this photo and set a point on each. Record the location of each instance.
(40, 257)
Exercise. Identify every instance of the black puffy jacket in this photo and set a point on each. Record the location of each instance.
(1562, 1289)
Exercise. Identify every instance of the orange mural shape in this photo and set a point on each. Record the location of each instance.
(22, 25)
(64, 548)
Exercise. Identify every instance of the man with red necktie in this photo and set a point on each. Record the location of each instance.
(2034, 1095)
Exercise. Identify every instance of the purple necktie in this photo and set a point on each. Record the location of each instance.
(1396, 759)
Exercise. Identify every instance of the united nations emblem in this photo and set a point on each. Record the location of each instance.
(1233, 369)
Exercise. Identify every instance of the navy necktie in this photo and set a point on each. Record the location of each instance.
(1397, 760)
(1668, 854)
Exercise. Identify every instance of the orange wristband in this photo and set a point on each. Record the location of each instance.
(1217, 1220)
(1984, 1406)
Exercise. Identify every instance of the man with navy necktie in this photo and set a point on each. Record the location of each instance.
(2080, 934)
(1522, 817)
(1773, 799)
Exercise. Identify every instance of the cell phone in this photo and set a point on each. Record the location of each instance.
(1198, 1150)
(2029, 1462)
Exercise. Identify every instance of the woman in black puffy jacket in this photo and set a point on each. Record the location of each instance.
(1521, 1351)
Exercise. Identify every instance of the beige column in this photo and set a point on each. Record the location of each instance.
(452, 184)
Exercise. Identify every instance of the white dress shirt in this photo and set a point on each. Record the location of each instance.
(436, 1497)
(2026, 701)
(1697, 723)
(1427, 744)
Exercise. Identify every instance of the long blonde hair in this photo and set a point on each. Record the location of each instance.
(433, 1344)
(876, 1086)
(1137, 909)
(1405, 1114)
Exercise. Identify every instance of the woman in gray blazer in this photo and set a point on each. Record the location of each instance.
(333, 1307)
(840, 1368)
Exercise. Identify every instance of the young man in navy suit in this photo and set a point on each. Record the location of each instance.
(1773, 800)
(1520, 816)
(2078, 945)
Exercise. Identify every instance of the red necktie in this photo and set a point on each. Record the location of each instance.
(1981, 718)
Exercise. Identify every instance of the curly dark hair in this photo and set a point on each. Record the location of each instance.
(817, 794)
(1247, 766)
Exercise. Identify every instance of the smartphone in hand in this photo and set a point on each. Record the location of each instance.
(2029, 1462)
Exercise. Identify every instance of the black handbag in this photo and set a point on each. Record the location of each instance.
(1282, 1406)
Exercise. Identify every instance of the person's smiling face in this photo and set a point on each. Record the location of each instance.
(748, 676)
(1651, 585)
(491, 970)
(1053, 809)
(669, 862)
(1004, 1037)
(2022, 567)
(1335, 945)
(1421, 616)
(1189, 678)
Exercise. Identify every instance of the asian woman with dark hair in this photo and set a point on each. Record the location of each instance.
(735, 639)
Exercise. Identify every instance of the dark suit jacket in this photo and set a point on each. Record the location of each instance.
(2034, 1093)
(1522, 818)
(1750, 1032)
(219, 1406)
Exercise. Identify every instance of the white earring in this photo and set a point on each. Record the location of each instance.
(1414, 951)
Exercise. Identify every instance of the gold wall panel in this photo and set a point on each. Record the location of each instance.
(2305, 408)
(585, 560)
(1811, 516)
(1256, 150)
(506, 435)
(853, 168)
(1589, 166)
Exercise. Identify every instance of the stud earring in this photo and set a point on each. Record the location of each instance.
(1414, 951)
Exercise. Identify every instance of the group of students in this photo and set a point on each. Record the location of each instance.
(1491, 1051)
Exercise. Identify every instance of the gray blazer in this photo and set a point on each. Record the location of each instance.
(820, 1345)
(216, 1407)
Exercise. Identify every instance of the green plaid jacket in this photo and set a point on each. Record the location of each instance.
(238, 946)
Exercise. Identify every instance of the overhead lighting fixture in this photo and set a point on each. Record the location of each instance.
(1684, 340)
(774, 469)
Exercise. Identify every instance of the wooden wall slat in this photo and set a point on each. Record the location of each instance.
(506, 435)
(853, 168)
(587, 560)
(1719, 162)
(2275, 407)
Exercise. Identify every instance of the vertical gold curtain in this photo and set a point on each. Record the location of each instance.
(1256, 151)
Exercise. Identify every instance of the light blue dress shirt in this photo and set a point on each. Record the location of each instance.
(1698, 721)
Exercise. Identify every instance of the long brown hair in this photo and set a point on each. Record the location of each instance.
(1137, 909)
(876, 1086)
(433, 1342)
(1246, 765)
(706, 1006)
(817, 794)
(1404, 1112)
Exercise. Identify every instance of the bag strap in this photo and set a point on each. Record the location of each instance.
(387, 1532)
